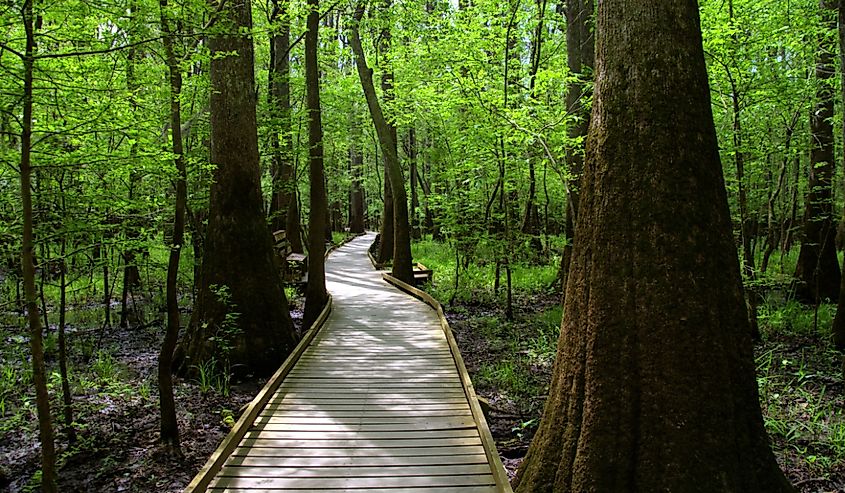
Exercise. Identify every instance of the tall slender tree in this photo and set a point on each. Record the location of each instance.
(839, 319)
(168, 426)
(284, 213)
(387, 231)
(580, 55)
(356, 168)
(653, 389)
(241, 313)
(315, 291)
(817, 269)
(387, 139)
(39, 374)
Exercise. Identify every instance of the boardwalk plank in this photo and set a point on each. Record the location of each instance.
(327, 426)
(352, 462)
(290, 452)
(366, 414)
(274, 471)
(263, 433)
(450, 489)
(361, 443)
(353, 483)
(341, 394)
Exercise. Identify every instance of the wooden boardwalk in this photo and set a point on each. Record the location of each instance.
(378, 400)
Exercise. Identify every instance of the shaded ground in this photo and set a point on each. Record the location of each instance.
(800, 380)
(116, 404)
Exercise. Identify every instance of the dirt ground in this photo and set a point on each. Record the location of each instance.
(116, 449)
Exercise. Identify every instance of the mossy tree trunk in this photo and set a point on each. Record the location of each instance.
(654, 387)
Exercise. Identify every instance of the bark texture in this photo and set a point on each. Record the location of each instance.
(258, 333)
(654, 387)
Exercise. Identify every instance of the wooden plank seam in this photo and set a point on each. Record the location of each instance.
(499, 473)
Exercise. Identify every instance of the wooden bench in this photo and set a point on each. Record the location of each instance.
(294, 265)
(422, 274)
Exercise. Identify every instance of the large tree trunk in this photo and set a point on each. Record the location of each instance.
(653, 389)
(580, 55)
(387, 139)
(281, 137)
(39, 374)
(250, 327)
(817, 270)
(315, 291)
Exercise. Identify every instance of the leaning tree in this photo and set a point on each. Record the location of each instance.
(653, 387)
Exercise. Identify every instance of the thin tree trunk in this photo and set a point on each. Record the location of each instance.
(281, 136)
(315, 292)
(530, 218)
(580, 60)
(39, 375)
(356, 194)
(402, 238)
(169, 428)
(104, 258)
(67, 397)
(386, 232)
(774, 240)
(817, 270)
(131, 273)
(293, 227)
(839, 319)
(415, 201)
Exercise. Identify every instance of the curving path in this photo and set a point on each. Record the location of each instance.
(374, 403)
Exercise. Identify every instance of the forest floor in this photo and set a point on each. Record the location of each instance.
(116, 406)
(116, 401)
(800, 379)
